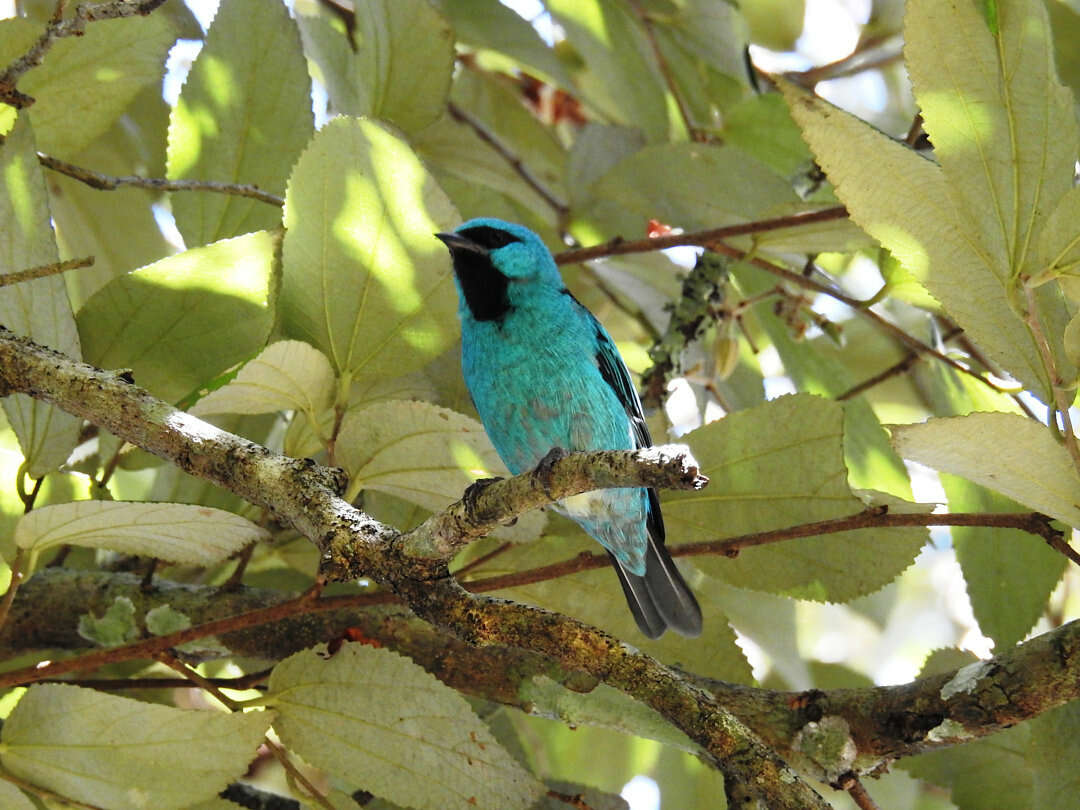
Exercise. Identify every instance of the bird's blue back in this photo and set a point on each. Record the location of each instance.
(545, 374)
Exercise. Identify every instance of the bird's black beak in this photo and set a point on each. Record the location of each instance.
(456, 242)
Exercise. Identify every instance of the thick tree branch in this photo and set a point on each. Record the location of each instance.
(353, 544)
(885, 722)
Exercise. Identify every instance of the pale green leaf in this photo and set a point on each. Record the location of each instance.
(1004, 452)
(1009, 573)
(38, 309)
(398, 67)
(763, 127)
(122, 754)
(777, 465)
(422, 453)
(87, 82)
(596, 150)
(378, 720)
(1059, 245)
(901, 199)
(12, 798)
(183, 320)
(621, 76)
(496, 27)
(1003, 127)
(181, 533)
(88, 220)
(114, 627)
(243, 116)
(365, 280)
(688, 185)
(287, 375)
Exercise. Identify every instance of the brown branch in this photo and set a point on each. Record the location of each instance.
(105, 182)
(620, 247)
(884, 722)
(58, 28)
(43, 270)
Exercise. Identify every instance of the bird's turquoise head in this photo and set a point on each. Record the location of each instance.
(496, 263)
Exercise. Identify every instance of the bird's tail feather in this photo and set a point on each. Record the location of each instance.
(661, 598)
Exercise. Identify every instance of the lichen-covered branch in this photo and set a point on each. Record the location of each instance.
(884, 723)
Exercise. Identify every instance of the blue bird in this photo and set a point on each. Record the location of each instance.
(543, 374)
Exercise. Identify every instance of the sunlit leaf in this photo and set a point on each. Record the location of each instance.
(88, 81)
(122, 754)
(378, 720)
(286, 375)
(181, 321)
(365, 279)
(198, 535)
(1027, 463)
(777, 465)
(243, 116)
(38, 309)
(397, 66)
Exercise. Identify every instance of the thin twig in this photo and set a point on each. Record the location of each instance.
(105, 182)
(894, 370)
(561, 208)
(58, 28)
(253, 680)
(43, 270)
(620, 246)
(1061, 399)
(850, 782)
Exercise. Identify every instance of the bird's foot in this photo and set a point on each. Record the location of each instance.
(544, 469)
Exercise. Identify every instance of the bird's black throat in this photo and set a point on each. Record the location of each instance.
(483, 285)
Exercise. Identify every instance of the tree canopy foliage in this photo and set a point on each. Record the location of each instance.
(237, 449)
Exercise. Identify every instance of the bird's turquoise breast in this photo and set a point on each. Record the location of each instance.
(535, 388)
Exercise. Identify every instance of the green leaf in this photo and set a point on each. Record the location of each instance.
(243, 116)
(397, 68)
(1002, 125)
(88, 220)
(763, 127)
(85, 83)
(1029, 765)
(122, 754)
(422, 453)
(774, 24)
(1005, 452)
(689, 185)
(1009, 573)
(496, 27)
(183, 320)
(379, 721)
(1059, 245)
(180, 533)
(285, 376)
(113, 628)
(621, 76)
(817, 369)
(38, 309)
(14, 799)
(777, 465)
(902, 200)
(365, 280)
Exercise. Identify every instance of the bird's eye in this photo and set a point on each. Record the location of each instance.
(488, 237)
